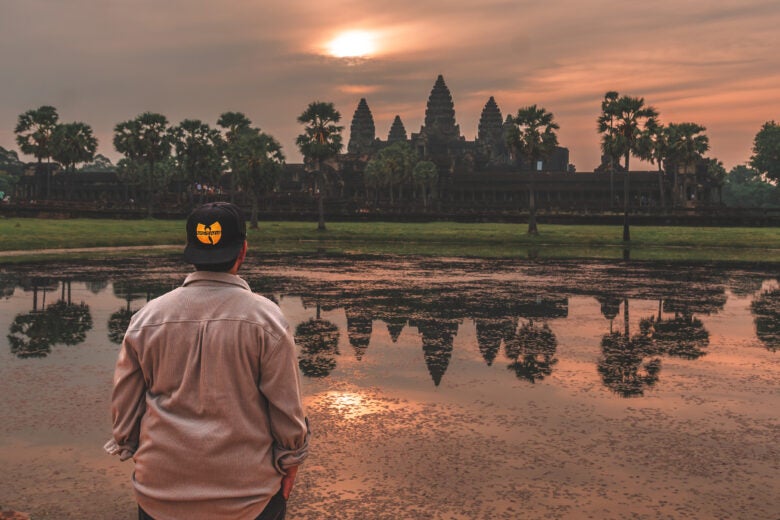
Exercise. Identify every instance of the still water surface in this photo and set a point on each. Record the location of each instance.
(439, 388)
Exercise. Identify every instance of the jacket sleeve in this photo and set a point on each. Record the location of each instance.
(280, 384)
(128, 402)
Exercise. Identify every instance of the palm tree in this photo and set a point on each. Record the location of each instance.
(399, 160)
(716, 175)
(621, 122)
(375, 177)
(610, 141)
(766, 151)
(233, 123)
(687, 143)
(425, 176)
(532, 136)
(199, 151)
(320, 141)
(146, 142)
(256, 161)
(653, 146)
(73, 143)
(34, 131)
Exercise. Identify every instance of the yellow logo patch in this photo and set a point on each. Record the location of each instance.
(209, 234)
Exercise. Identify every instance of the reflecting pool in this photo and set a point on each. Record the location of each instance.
(438, 387)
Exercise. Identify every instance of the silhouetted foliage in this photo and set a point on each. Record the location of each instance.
(533, 350)
(319, 343)
(359, 328)
(766, 313)
(766, 151)
(490, 334)
(117, 325)
(33, 334)
(532, 136)
(320, 141)
(624, 365)
(683, 336)
(29, 335)
(69, 323)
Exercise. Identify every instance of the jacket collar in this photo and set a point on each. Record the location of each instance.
(219, 278)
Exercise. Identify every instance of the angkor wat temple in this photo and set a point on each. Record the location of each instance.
(440, 140)
(476, 177)
(483, 175)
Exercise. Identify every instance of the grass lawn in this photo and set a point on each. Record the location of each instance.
(439, 238)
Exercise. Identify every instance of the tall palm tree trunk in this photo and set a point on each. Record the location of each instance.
(320, 213)
(532, 206)
(611, 186)
(254, 211)
(48, 178)
(625, 317)
(320, 196)
(626, 230)
(150, 191)
(661, 194)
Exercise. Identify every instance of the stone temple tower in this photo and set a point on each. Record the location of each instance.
(440, 112)
(490, 122)
(490, 133)
(362, 131)
(397, 131)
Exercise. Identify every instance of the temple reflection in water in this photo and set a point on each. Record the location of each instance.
(518, 310)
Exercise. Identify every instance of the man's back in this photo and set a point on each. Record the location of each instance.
(211, 363)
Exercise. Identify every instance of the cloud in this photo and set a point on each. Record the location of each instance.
(105, 62)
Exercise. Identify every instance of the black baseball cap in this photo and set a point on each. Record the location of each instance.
(215, 233)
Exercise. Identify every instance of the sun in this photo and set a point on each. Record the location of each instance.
(352, 44)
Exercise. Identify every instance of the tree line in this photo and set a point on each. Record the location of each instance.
(156, 153)
(630, 128)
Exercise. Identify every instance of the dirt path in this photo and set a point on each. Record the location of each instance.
(85, 250)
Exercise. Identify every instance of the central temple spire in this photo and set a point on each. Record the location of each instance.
(440, 112)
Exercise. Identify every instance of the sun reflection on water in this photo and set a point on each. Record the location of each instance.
(351, 405)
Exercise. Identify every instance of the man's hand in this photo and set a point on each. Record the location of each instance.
(288, 481)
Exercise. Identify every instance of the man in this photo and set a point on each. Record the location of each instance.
(206, 395)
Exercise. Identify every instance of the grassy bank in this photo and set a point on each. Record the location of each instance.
(440, 238)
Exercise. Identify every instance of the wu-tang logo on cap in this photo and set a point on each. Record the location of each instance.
(209, 234)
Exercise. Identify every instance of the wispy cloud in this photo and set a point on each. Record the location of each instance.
(104, 62)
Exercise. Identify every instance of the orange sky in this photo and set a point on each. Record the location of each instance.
(716, 64)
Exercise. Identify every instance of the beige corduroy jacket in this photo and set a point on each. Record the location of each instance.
(207, 401)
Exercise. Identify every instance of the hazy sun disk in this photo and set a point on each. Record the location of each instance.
(352, 44)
